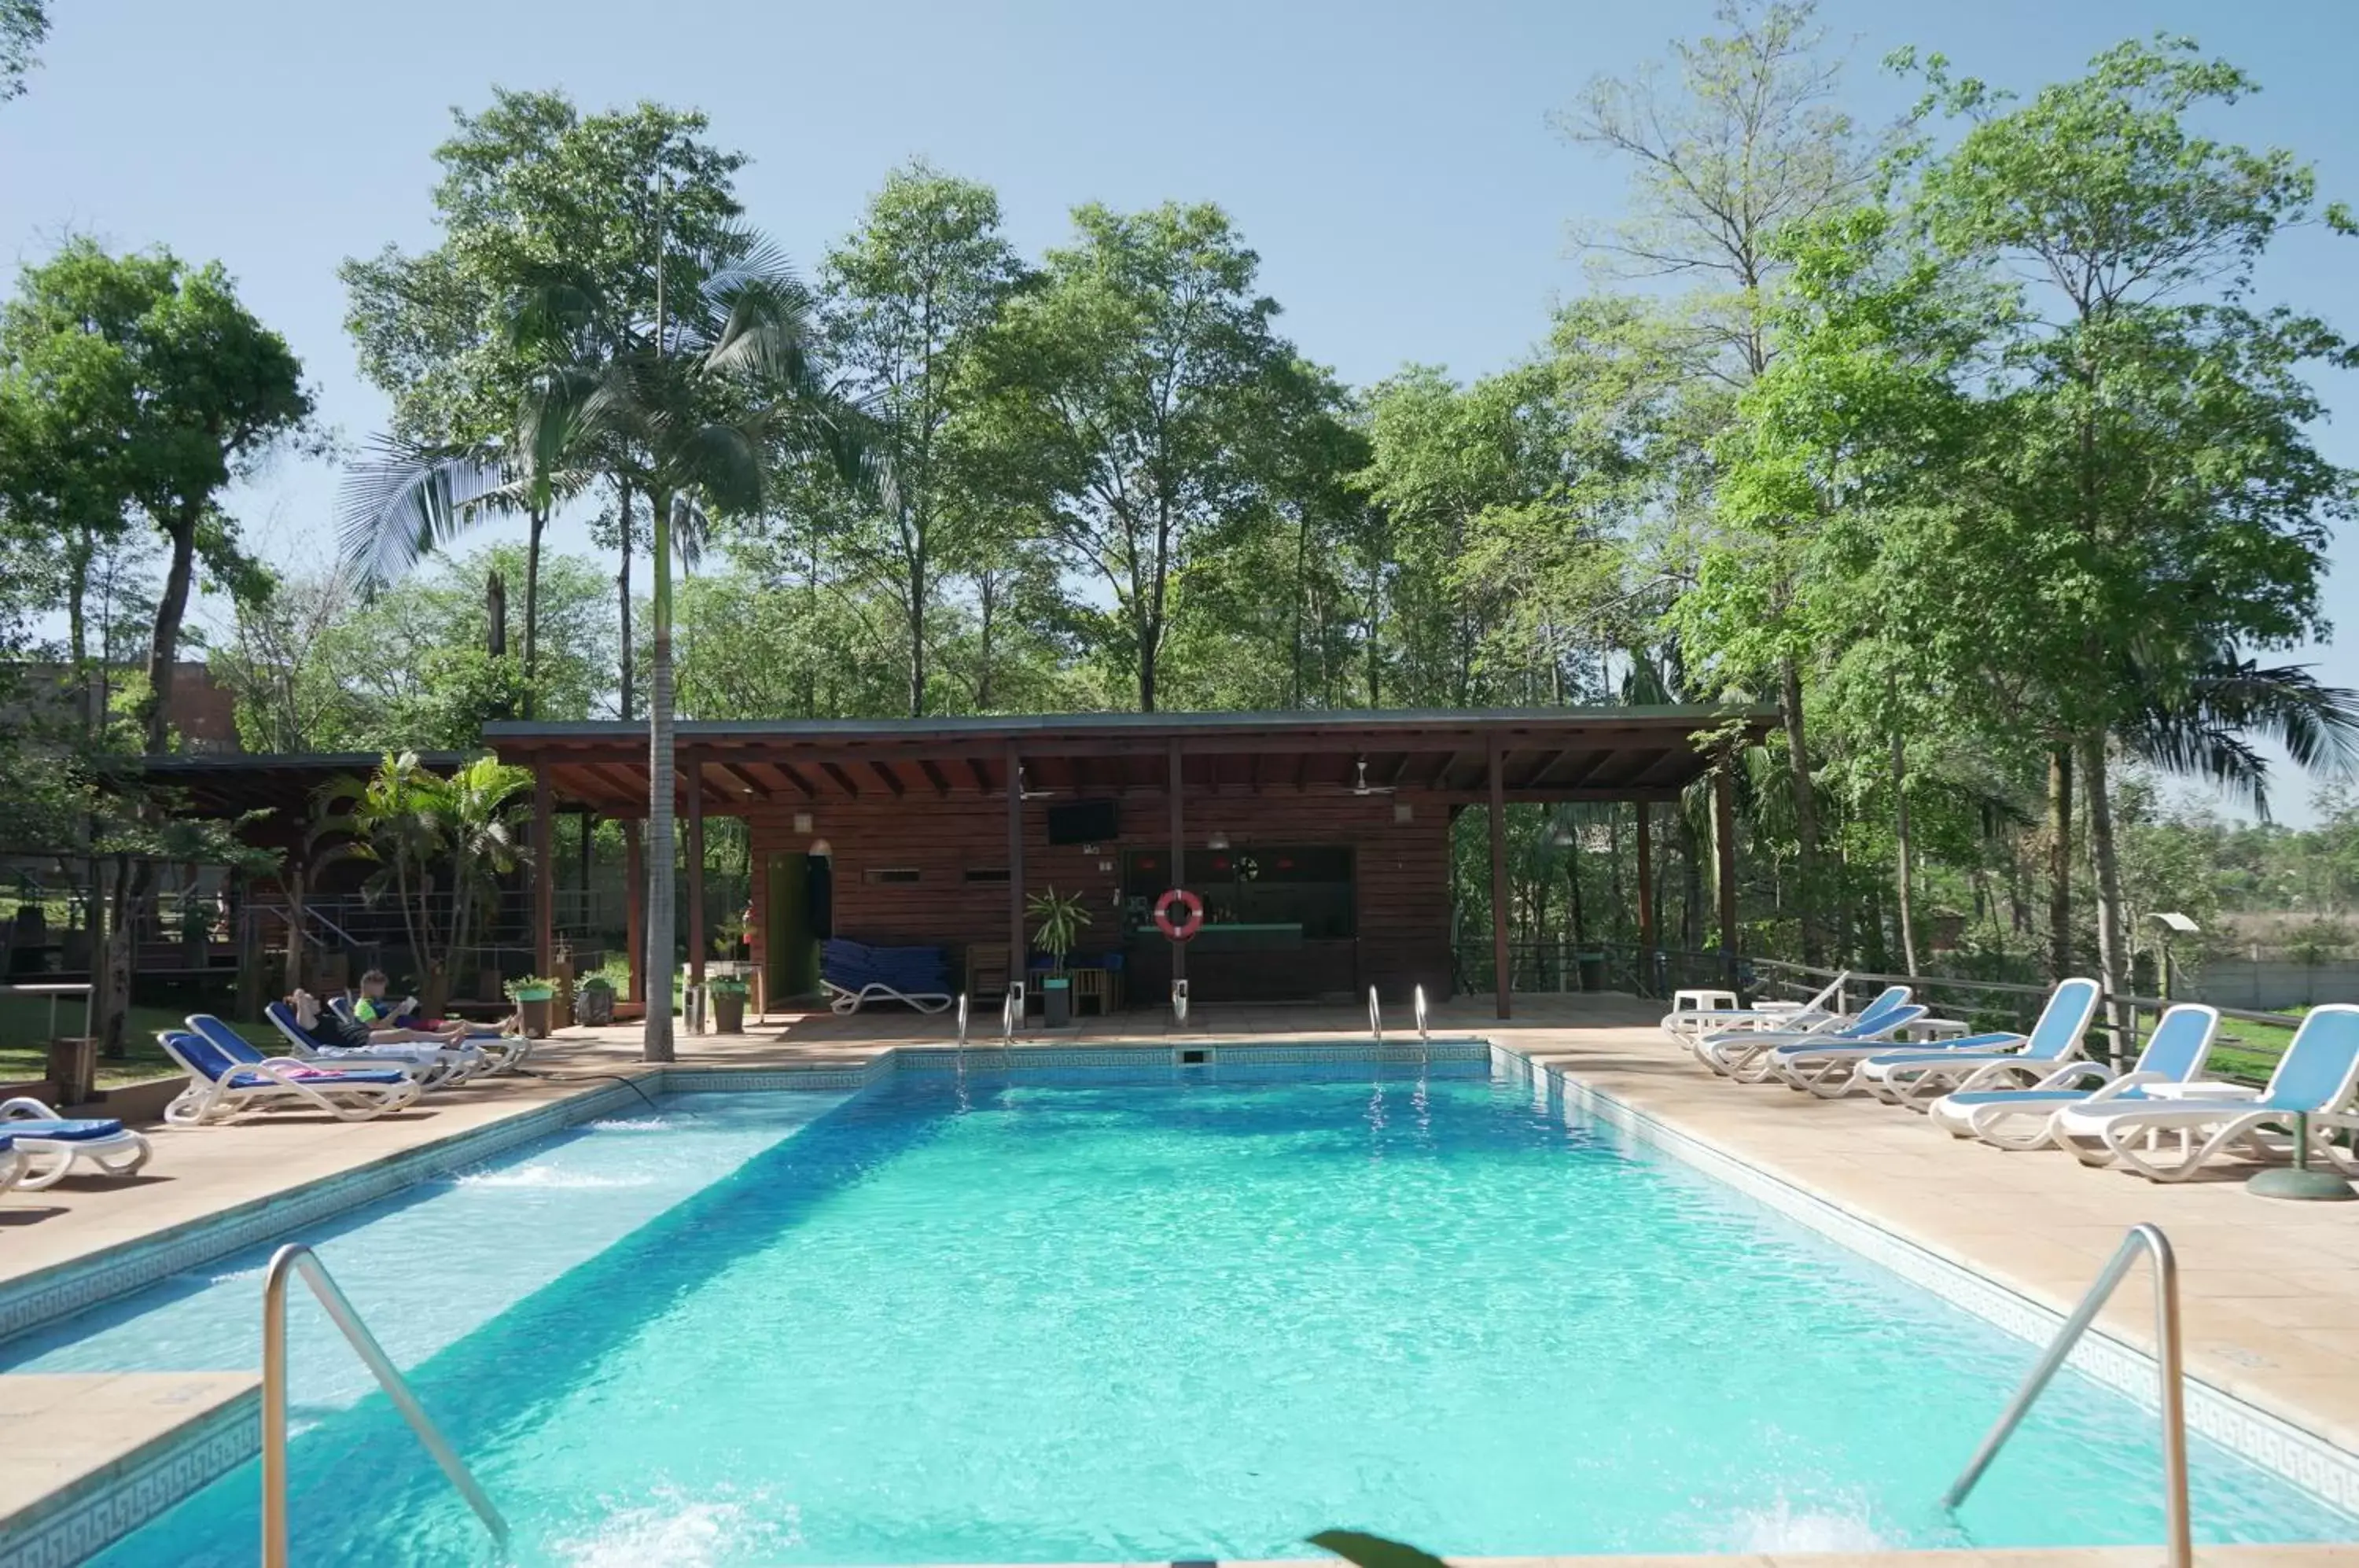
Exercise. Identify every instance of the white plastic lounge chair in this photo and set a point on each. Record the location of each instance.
(2318, 1077)
(1828, 1065)
(1744, 1054)
(222, 1088)
(1688, 1026)
(840, 1000)
(12, 1164)
(50, 1145)
(2018, 1118)
(1918, 1076)
(432, 1065)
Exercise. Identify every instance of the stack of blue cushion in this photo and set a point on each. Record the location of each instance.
(913, 971)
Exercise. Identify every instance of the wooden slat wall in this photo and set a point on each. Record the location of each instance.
(1402, 867)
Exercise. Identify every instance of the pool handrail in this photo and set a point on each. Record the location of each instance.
(1376, 1016)
(1011, 1009)
(1179, 1002)
(962, 1020)
(1417, 1003)
(2179, 1549)
(297, 1259)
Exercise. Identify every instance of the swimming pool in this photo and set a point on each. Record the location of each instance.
(981, 1320)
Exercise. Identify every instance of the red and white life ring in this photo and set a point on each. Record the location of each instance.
(1185, 900)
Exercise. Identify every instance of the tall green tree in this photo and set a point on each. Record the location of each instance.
(173, 389)
(905, 302)
(1131, 395)
(23, 25)
(1730, 143)
(2162, 487)
(549, 256)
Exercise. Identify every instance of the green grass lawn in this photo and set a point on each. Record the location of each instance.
(25, 1021)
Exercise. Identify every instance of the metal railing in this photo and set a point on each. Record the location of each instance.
(2178, 1550)
(297, 1259)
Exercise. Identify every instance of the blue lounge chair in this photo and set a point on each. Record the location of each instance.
(1917, 1077)
(1687, 1027)
(1747, 1055)
(2018, 1118)
(50, 1146)
(223, 1088)
(2316, 1081)
(432, 1065)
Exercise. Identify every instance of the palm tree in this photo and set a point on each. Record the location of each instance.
(695, 414)
(2191, 713)
(411, 498)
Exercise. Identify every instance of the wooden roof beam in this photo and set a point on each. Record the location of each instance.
(934, 777)
(842, 779)
(890, 780)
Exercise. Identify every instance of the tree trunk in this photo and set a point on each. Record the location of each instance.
(532, 614)
(1806, 810)
(917, 638)
(623, 593)
(656, 1039)
(1150, 637)
(2113, 955)
(2059, 861)
(1903, 888)
(131, 882)
(164, 648)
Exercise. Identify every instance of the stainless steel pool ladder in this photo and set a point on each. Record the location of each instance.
(297, 1259)
(961, 1021)
(1424, 1035)
(1376, 1016)
(1179, 1002)
(1011, 1013)
(2179, 1551)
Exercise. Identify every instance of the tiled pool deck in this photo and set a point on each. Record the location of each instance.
(2270, 1289)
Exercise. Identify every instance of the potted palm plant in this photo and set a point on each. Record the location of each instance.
(1059, 919)
(727, 993)
(531, 993)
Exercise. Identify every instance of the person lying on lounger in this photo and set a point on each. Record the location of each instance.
(336, 1033)
(373, 1008)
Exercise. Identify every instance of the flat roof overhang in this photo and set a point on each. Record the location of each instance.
(1546, 754)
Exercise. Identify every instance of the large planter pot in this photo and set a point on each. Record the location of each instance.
(728, 1012)
(1057, 1002)
(532, 1011)
(594, 1005)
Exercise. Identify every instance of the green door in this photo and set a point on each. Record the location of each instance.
(789, 958)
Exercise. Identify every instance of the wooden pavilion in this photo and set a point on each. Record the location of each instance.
(1320, 841)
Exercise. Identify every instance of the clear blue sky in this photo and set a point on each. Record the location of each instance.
(1391, 162)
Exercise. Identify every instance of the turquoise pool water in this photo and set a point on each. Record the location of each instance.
(1098, 1322)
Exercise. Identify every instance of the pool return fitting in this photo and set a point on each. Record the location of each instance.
(297, 1259)
(2170, 1370)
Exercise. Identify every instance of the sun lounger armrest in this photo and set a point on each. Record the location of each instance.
(27, 1108)
(2202, 1090)
(2072, 1074)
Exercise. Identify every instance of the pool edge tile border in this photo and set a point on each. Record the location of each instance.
(85, 1516)
(2261, 1437)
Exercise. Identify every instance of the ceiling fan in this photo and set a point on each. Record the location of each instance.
(1363, 788)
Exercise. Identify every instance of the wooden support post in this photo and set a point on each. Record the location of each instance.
(1018, 967)
(1502, 973)
(544, 871)
(589, 844)
(1178, 854)
(635, 906)
(1723, 849)
(695, 776)
(1646, 835)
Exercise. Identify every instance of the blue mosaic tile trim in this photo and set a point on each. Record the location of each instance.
(756, 1080)
(2271, 1441)
(939, 1058)
(53, 1293)
(74, 1525)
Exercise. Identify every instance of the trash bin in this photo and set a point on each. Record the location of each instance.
(1593, 970)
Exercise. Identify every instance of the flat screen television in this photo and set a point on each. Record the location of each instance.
(1085, 821)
